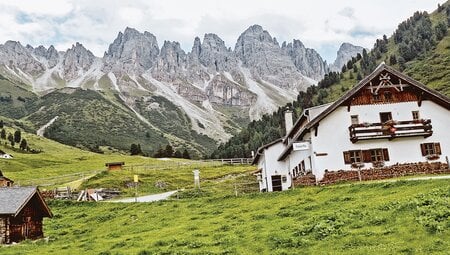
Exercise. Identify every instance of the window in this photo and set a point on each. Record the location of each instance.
(376, 155)
(354, 119)
(385, 116)
(355, 156)
(430, 149)
(351, 157)
(415, 115)
(366, 156)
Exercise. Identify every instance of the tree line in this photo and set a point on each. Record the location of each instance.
(14, 138)
(166, 152)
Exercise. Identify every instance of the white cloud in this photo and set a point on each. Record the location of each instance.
(320, 24)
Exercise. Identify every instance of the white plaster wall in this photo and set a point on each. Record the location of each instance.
(333, 135)
(271, 166)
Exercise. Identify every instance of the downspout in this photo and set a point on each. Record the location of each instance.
(265, 172)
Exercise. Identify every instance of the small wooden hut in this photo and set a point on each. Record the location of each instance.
(5, 182)
(115, 165)
(21, 212)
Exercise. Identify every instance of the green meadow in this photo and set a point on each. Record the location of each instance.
(403, 217)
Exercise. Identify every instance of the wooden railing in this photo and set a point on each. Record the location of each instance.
(391, 129)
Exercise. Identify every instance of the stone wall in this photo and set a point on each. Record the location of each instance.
(397, 170)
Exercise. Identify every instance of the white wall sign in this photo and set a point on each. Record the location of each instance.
(300, 146)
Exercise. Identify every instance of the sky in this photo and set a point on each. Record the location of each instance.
(320, 24)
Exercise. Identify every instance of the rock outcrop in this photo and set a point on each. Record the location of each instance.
(344, 54)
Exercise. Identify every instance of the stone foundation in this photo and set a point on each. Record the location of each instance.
(393, 171)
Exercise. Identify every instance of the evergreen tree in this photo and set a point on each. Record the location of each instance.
(3, 134)
(1, 124)
(344, 68)
(401, 63)
(135, 149)
(160, 153)
(10, 137)
(359, 77)
(186, 154)
(23, 144)
(392, 60)
(178, 154)
(17, 136)
(169, 151)
(350, 76)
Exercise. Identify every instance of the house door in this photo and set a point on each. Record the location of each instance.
(385, 116)
(276, 183)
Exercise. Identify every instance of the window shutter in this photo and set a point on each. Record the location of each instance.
(385, 154)
(347, 159)
(366, 156)
(422, 148)
(437, 148)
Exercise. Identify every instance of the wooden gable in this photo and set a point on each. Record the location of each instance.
(385, 88)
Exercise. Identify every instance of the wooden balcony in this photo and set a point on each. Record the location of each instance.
(390, 130)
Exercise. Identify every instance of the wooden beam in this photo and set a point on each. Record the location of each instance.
(419, 99)
(316, 130)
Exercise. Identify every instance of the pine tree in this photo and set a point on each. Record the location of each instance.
(135, 149)
(3, 134)
(169, 151)
(23, 144)
(392, 60)
(178, 154)
(1, 124)
(186, 154)
(17, 136)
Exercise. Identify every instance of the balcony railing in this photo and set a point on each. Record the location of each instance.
(391, 129)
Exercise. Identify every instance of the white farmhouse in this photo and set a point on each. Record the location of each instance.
(385, 120)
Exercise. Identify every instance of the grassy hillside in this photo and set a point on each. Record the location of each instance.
(382, 218)
(57, 159)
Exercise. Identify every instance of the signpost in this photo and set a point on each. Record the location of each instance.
(196, 178)
(136, 181)
(302, 146)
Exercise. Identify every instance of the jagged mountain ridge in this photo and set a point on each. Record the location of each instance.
(205, 83)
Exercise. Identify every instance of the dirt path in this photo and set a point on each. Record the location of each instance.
(41, 130)
(143, 199)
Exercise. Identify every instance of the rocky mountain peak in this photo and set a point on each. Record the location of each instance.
(171, 59)
(214, 54)
(344, 54)
(15, 55)
(77, 59)
(132, 52)
(307, 61)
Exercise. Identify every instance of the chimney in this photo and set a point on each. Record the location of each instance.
(288, 123)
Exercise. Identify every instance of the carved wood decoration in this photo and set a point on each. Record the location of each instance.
(385, 88)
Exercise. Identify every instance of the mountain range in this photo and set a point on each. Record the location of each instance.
(190, 99)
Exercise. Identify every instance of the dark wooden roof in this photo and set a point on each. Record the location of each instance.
(14, 199)
(432, 94)
(260, 149)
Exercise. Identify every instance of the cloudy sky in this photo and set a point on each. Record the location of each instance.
(319, 24)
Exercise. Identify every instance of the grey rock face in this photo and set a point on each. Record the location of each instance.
(344, 54)
(14, 55)
(215, 55)
(51, 55)
(263, 56)
(171, 61)
(307, 61)
(76, 60)
(131, 52)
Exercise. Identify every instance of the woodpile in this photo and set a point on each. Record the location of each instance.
(305, 180)
(397, 170)
(380, 173)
